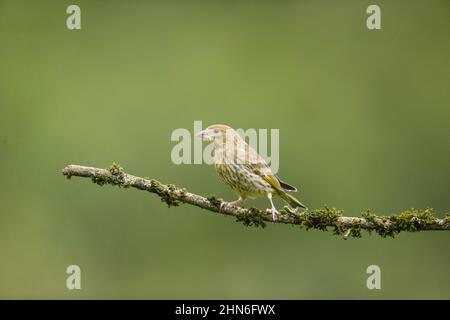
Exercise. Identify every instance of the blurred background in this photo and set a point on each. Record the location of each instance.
(363, 118)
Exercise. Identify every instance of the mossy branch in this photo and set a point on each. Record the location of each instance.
(411, 220)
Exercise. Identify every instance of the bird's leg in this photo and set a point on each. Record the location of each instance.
(237, 202)
(273, 209)
(233, 203)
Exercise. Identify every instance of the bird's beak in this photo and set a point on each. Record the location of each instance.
(204, 134)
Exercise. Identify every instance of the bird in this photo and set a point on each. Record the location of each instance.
(244, 170)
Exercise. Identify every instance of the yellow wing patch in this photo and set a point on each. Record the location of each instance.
(273, 181)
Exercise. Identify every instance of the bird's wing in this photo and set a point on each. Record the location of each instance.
(257, 165)
(273, 181)
(263, 170)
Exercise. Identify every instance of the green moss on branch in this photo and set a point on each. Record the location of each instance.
(324, 219)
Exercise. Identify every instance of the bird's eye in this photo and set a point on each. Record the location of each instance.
(216, 130)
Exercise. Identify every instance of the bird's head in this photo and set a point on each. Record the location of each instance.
(215, 132)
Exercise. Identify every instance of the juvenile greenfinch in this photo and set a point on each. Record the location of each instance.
(244, 170)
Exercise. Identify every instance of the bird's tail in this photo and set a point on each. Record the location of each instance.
(292, 201)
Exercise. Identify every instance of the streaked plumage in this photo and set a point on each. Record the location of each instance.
(244, 170)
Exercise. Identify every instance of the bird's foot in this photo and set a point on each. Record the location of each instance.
(290, 210)
(231, 203)
(274, 214)
(235, 203)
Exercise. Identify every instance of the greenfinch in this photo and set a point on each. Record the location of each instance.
(244, 170)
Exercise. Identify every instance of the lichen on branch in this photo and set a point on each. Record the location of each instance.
(412, 220)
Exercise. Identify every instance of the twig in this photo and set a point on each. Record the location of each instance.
(410, 220)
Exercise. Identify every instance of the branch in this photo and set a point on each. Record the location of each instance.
(411, 220)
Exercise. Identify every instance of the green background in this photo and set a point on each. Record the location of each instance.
(363, 118)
